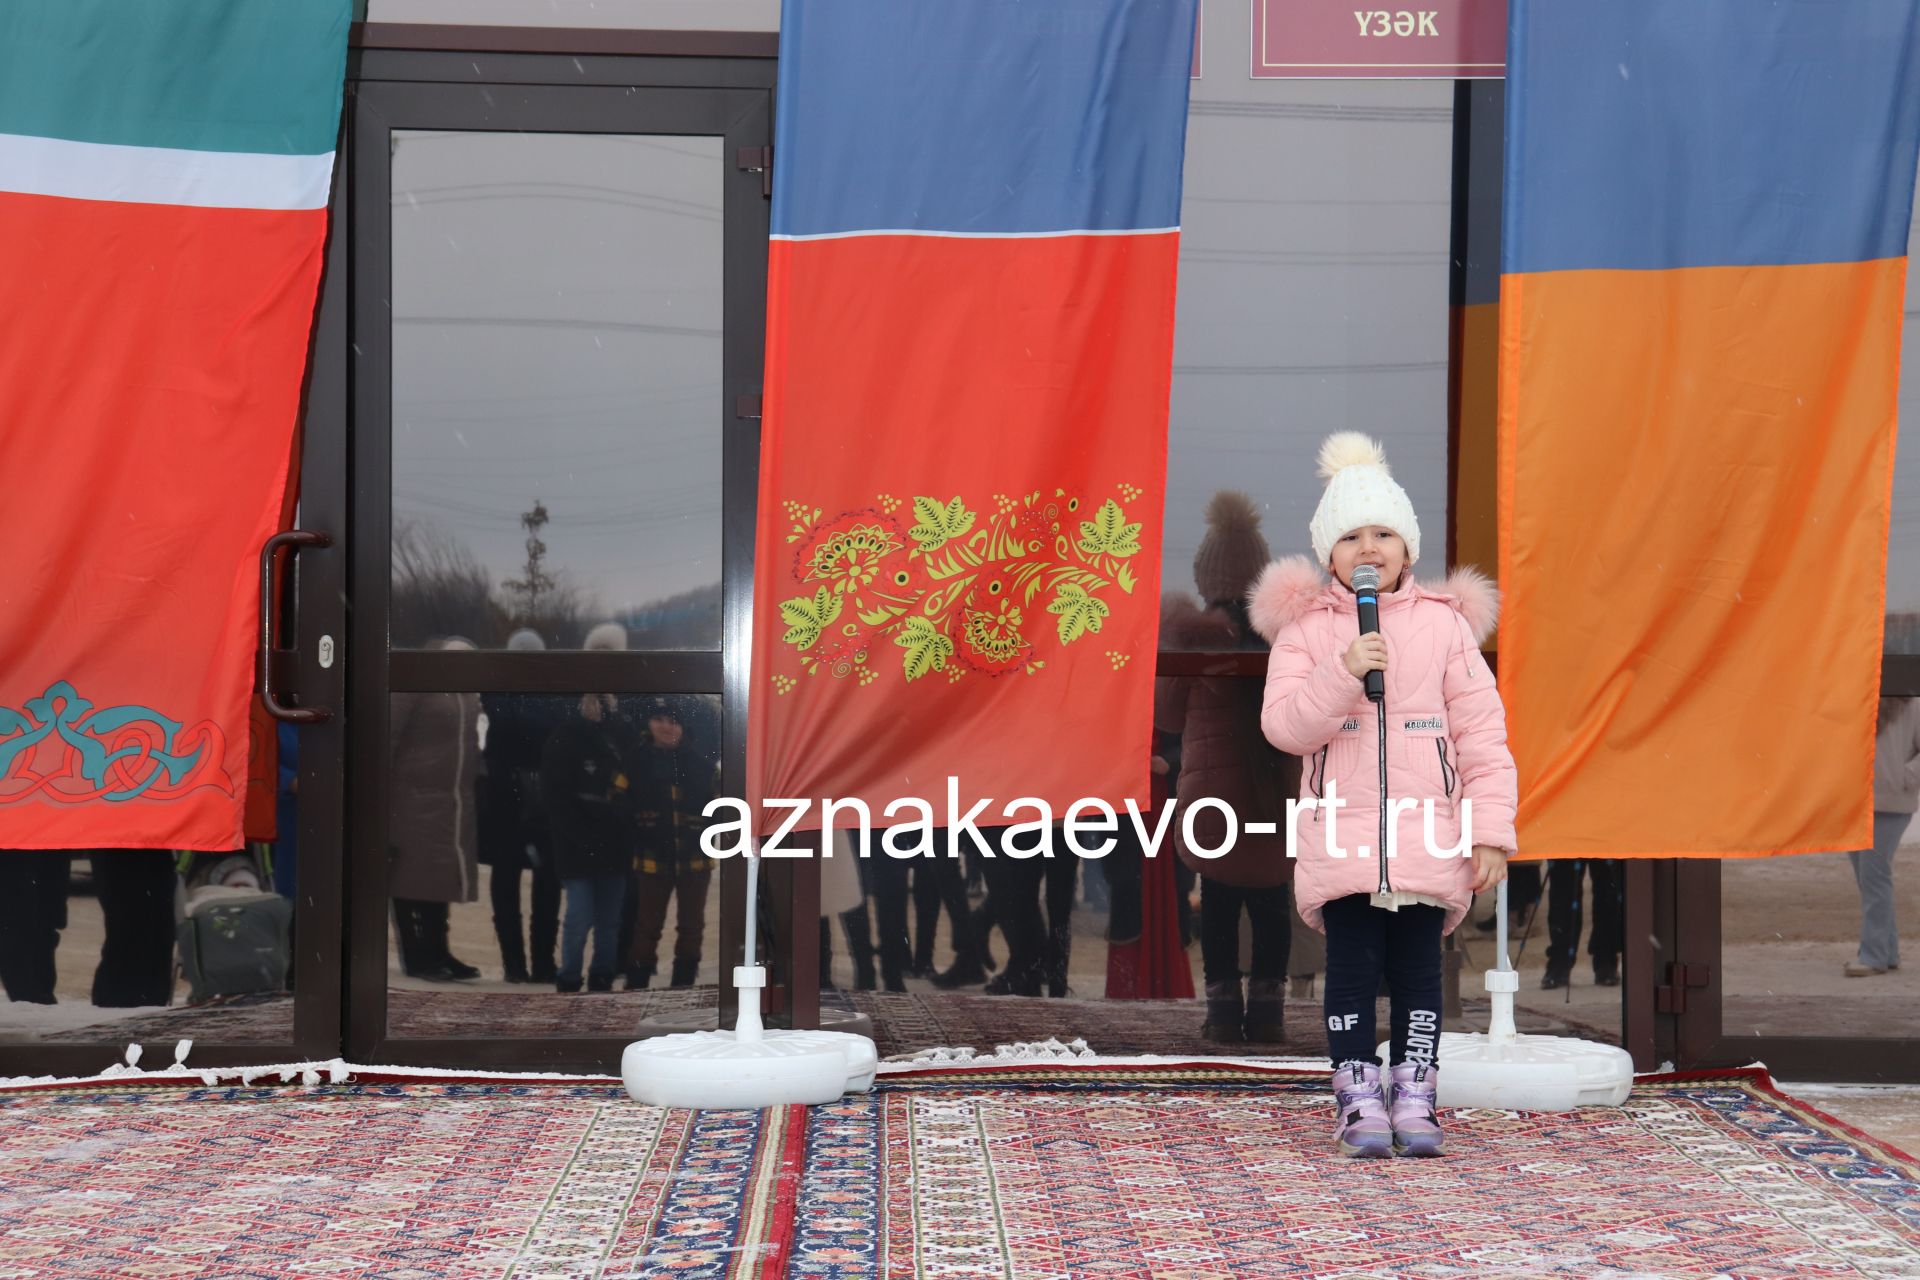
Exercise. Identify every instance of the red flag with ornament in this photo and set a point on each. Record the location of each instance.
(969, 353)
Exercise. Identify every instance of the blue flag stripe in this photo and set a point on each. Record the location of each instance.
(1649, 135)
(994, 116)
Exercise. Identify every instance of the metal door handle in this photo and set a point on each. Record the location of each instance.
(269, 582)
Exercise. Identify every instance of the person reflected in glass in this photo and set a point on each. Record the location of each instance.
(1525, 887)
(33, 911)
(891, 889)
(1896, 794)
(1226, 756)
(672, 787)
(856, 922)
(433, 852)
(514, 835)
(286, 815)
(1566, 903)
(1039, 949)
(135, 892)
(587, 776)
(940, 883)
(843, 897)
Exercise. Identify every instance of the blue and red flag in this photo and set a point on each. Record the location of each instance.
(969, 351)
(1703, 265)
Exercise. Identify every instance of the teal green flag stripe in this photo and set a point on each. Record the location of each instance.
(260, 76)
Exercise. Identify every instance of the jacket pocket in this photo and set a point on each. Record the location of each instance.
(1339, 755)
(1426, 750)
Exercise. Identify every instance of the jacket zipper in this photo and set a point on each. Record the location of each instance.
(1446, 768)
(1380, 738)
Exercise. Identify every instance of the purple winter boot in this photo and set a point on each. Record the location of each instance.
(1416, 1123)
(1364, 1128)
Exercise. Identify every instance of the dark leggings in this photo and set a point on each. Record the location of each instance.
(135, 888)
(1014, 888)
(891, 892)
(1565, 905)
(1272, 918)
(135, 891)
(1364, 944)
(509, 867)
(33, 911)
(938, 882)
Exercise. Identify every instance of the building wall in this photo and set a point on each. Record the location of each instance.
(689, 15)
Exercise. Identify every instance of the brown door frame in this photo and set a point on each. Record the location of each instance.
(726, 97)
(1691, 978)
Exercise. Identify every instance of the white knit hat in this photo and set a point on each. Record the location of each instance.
(1360, 491)
(608, 635)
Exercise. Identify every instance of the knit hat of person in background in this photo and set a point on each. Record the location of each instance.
(1233, 552)
(608, 635)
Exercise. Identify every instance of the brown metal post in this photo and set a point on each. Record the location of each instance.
(1640, 965)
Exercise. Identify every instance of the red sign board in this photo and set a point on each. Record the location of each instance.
(1357, 39)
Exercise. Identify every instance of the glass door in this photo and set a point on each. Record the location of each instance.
(558, 306)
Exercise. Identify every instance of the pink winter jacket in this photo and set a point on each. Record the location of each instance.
(1446, 733)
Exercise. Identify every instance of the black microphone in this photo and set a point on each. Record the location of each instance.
(1366, 594)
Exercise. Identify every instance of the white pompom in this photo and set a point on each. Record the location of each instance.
(1349, 449)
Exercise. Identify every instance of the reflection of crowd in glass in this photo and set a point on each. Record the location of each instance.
(135, 888)
(979, 894)
(224, 919)
(600, 799)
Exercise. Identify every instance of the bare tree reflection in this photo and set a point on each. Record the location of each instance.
(440, 588)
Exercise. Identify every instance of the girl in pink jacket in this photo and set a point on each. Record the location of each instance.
(1450, 783)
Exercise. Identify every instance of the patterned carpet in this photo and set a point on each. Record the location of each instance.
(904, 1022)
(1068, 1170)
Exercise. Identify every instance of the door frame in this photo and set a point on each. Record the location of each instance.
(695, 95)
(1691, 978)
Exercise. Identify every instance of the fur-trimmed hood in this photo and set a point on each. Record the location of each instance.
(1288, 588)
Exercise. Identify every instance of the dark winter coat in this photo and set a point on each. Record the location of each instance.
(1223, 754)
(587, 776)
(513, 811)
(672, 788)
(433, 836)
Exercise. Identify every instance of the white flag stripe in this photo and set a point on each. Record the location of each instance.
(162, 175)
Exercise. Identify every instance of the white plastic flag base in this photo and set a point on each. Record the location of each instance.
(1511, 1072)
(1505, 1070)
(1532, 1073)
(748, 1066)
